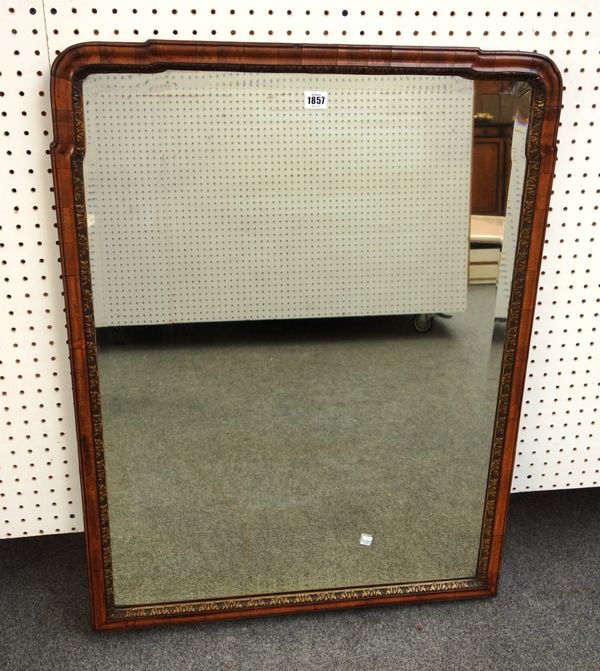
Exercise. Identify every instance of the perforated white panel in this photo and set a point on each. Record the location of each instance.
(249, 206)
(559, 441)
(39, 488)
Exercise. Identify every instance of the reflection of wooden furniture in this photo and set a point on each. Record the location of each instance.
(485, 245)
(491, 167)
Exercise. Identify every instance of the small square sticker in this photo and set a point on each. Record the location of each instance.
(315, 100)
(366, 539)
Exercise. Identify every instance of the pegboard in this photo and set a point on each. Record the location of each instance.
(39, 481)
(559, 441)
(250, 206)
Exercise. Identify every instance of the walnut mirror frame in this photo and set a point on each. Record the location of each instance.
(69, 71)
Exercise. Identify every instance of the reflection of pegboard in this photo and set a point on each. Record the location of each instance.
(511, 220)
(217, 196)
(559, 438)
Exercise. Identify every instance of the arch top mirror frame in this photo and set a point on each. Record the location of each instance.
(68, 149)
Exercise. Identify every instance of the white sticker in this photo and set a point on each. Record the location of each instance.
(366, 539)
(315, 100)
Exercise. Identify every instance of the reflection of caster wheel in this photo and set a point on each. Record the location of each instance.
(423, 323)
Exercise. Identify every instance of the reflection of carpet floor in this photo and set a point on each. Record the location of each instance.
(248, 458)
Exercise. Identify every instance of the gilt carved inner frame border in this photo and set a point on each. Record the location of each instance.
(68, 72)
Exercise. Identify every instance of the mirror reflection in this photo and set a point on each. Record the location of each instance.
(300, 320)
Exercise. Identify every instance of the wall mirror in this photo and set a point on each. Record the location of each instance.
(300, 284)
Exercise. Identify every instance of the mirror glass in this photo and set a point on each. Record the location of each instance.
(300, 289)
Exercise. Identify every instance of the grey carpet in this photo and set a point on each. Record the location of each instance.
(545, 618)
(248, 458)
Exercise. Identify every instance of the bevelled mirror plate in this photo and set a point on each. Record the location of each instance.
(300, 284)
